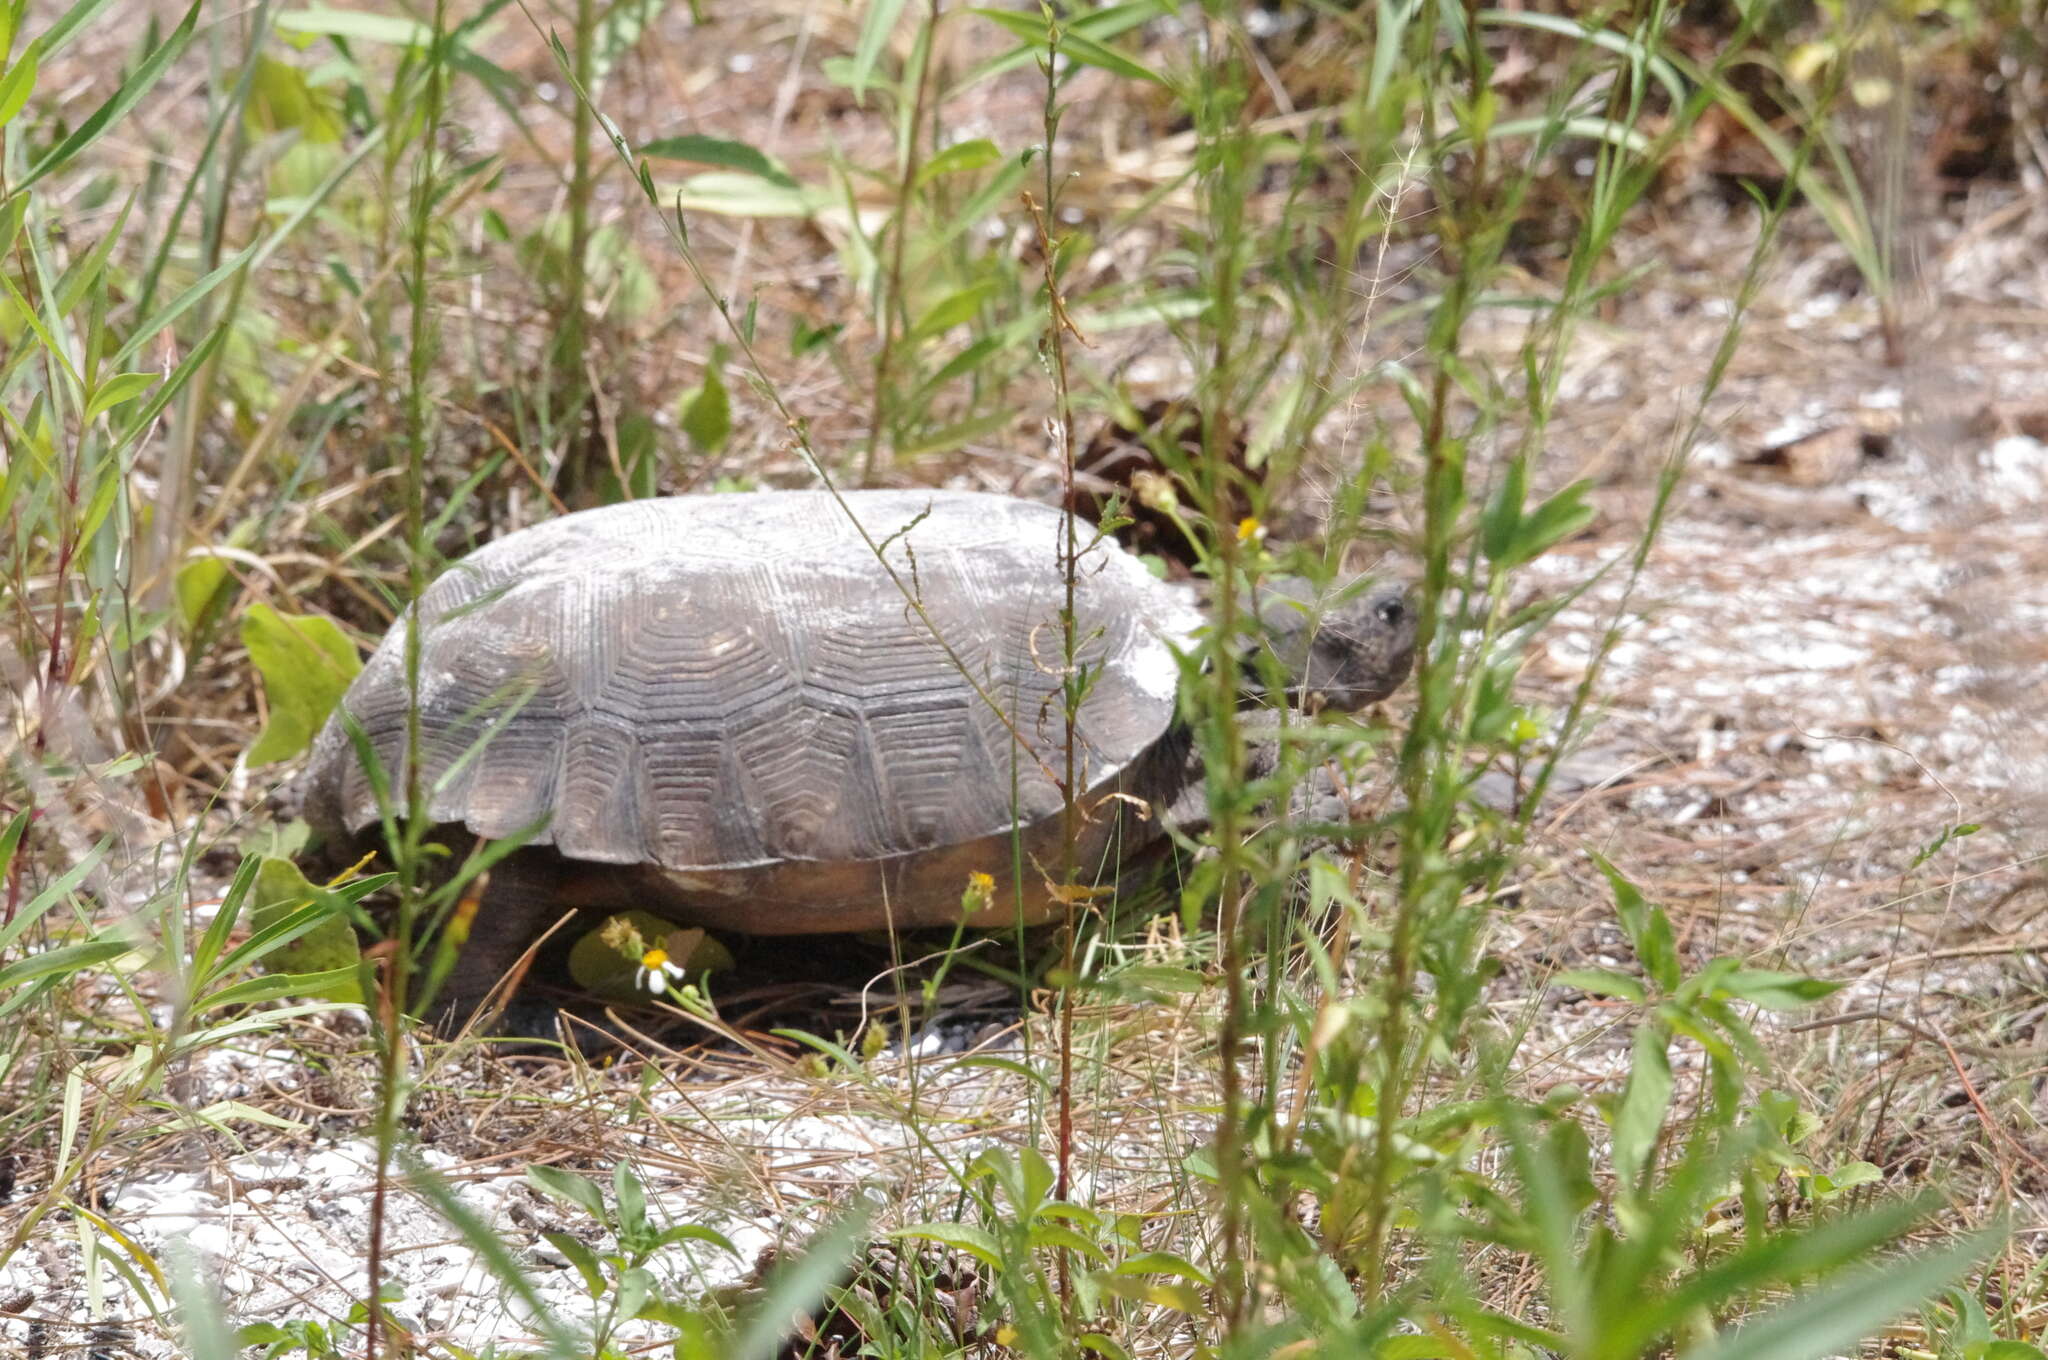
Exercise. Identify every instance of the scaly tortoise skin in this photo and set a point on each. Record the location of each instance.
(724, 710)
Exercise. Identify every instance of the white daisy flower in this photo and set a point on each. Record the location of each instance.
(656, 971)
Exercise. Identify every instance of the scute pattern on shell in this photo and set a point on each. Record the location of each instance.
(713, 682)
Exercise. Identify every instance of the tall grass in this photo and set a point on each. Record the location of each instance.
(1366, 1160)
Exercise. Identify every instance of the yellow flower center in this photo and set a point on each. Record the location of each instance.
(654, 960)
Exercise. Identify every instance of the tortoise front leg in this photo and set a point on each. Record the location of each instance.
(522, 899)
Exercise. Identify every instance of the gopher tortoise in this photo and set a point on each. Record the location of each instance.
(725, 710)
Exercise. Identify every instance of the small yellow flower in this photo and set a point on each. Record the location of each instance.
(656, 971)
(981, 892)
(1249, 530)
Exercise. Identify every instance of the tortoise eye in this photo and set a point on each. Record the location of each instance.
(1391, 612)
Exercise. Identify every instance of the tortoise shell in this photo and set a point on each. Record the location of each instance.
(733, 700)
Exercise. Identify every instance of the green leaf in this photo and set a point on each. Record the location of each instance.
(1051, 1235)
(1647, 927)
(333, 984)
(387, 29)
(119, 103)
(636, 1286)
(958, 159)
(198, 585)
(721, 152)
(1602, 982)
(1554, 521)
(280, 891)
(579, 1255)
(17, 85)
(1777, 991)
(1836, 1316)
(10, 839)
(2007, 1350)
(306, 664)
(1845, 1177)
(954, 309)
(707, 412)
(795, 1286)
(1088, 51)
(1103, 23)
(735, 194)
(568, 1187)
(62, 887)
(979, 1243)
(1640, 1115)
(631, 1197)
(1164, 1263)
(1010, 1065)
(875, 30)
(70, 958)
(281, 99)
(696, 1232)
(117, 389)
(1503, 517)
(1075, 43)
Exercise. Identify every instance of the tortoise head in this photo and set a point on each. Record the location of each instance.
(1344, 648)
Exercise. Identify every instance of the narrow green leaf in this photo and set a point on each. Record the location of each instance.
(70, 958)
(568, 1187)
(579, 1255)
(62, 887)
(73, 21)
(17, 85)
(1835, 1317)
(1602, 982)
(1047, 1236)
(958, 159)
(178, 306)
(388, 29)
(1164, 1263)
(696, 1232)
(631, 1197)
(1497, 527)
(1777, 991)
(1551, 523)
(330, 984)
(214, 942)
(121, 387)
(1640, 1115)
(1010, 1065)
(11, 838)
(561, 1342)
(733, 194)
(795, 1287)
(721, 152)
(954, 309)
(875, 30)
(119, 103)
(977, 1242)
(1088, 51)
